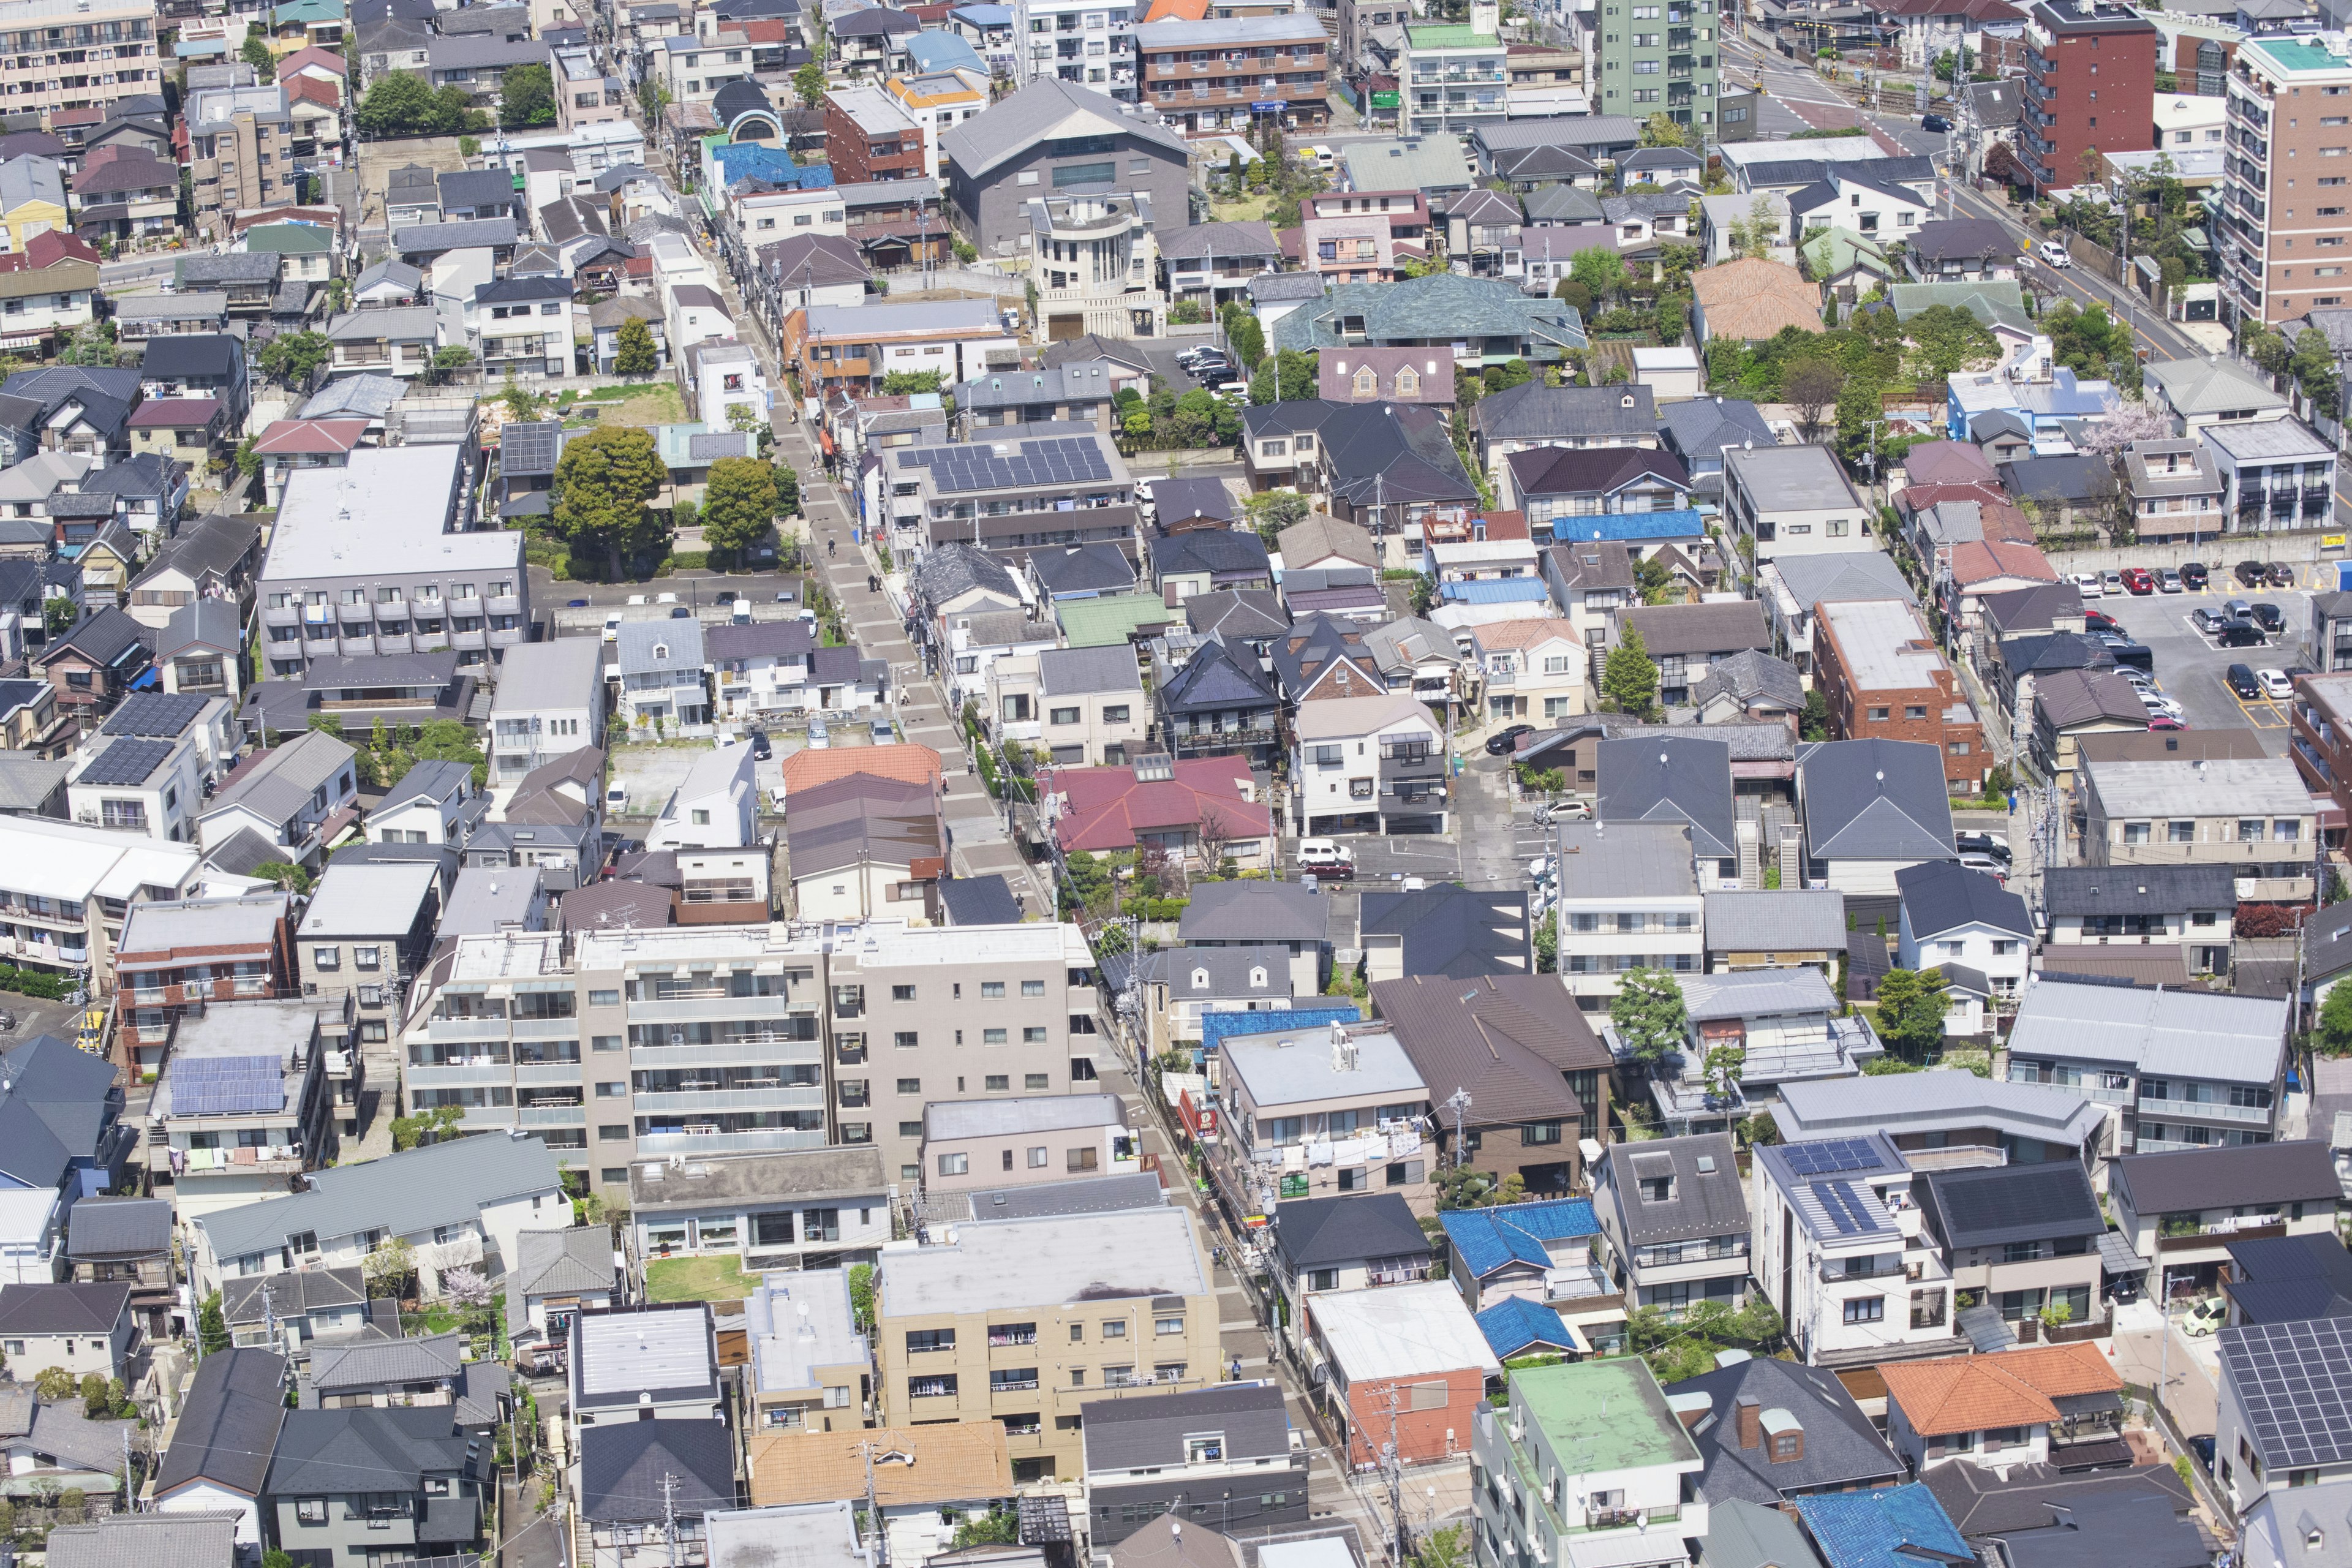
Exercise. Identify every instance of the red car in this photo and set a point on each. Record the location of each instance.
(2164, 721)
(2138, 579)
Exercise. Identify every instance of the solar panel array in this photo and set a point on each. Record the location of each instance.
(2295, 1383)
(126, 763)
(222, 1086)
(1031, 464)
(1828, 1156)
(1845, 1208)
(160, 713)
(529, 446)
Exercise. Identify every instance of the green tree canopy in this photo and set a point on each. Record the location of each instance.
(401, 104)
(809, 85)
(291, 358)
(1629, 677)
(1949, 338)
(633, 353)
(1911, 1009)
(2333, 1036)
(212, 1326)
(1271, 511)
(527, 98)
(603, 482)
(2315, 370)
(1297, 371)
(1649, 1014)
(1600, 270)
(1659, 132)
(739, 506)
(255, 52)
(1248, 339)
(788, 490)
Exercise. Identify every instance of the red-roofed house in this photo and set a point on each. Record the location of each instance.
(1937, 517)
(1157, 804)
(314, 61)
(48, 291)
(291, 444)
(188, 428)
(1989, 567)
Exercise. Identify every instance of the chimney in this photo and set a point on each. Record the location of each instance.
(1752, 1413)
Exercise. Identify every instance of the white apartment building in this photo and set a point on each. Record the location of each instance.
(1088, 42)
(1630, 899)
(1851, 1275)
(550, 700)
(66, 889)
(77, 54)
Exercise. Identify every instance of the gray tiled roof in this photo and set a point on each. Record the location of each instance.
(1705, 1197)
(1073, 672)
(1875, 800)
(442, 1184)
(1048, 106)
(1810, 919)
(1255, 912)
(1631, 859)
(366, 1363)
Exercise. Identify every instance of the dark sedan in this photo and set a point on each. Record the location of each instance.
(1503, 742)
(2250, 573)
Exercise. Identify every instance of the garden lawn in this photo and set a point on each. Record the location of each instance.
(654, 403)
(696, 1280)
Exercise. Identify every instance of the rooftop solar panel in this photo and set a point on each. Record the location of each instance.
(156, 713)
(221, 1086)
(1844, 1209)
(126, 762)
(1827, 1156)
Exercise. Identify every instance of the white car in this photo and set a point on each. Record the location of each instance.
(2088, 586)
(2155, 703)
(819, 737)
(616, 801)
(2275, 685)
(2053, 253)
(613, 626)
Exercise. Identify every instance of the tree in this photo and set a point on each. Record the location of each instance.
(1659, 132)
(1815, 724)
(1446, 1547)
(1723, 1068)
(1629, 677)
(861, 1295)
(2333, 1037)
(467, 1289)
(1911, 1009)
(527, 98)
(994, 1527)
(399, 104)
(212, 1326)
(2135, 421)
(809, 85)
(52, 1384)
(633, 351)
(255, 52)
(1248, 339)
(1294, 369)
(739, 507)
(58, 615)
(247, 461)
(788, 490)
(286, 874)
(603, 482)
(2315, 370)
(389, 1267)
(1271, 511)
(1949, 338)
(901, 383)
(1600, 270)
(1654, 581)
(432, 1125)
(1752, 236)
(1649, 1014)
(291, 358)
(1811, 388)
(447, 362)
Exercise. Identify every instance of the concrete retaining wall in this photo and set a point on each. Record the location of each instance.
(2302, 551)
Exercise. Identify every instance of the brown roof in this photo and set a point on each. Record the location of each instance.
(1989, 561)
(1753, 300)
(2010, 1388)
(1506, 1039)
(2165, 963)
(1700, 629)
(908, 762)
(962, 1461)
(2069, 697)
(2170, 746)
(617, 906)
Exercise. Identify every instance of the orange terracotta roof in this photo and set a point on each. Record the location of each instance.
(1752, 299)
(907, 763)
(1177, 11)
(1982, 561)
(2010, 1388)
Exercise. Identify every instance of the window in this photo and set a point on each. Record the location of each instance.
(910, 1086)
(993, 990)
(902, 994)
(1062, 716)
(997, 1083)
(1862, 1309)
(1032, 988)
(954, 1165)
(326, 958)
(309, 1509)
(366, 958)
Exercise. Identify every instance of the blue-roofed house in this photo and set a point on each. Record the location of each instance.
(1218, 1022)
(1495, 590)
(1516, 1326)
(929, 52)
(990, 29)
(1645, 531)
(2040, 405)
(1544, 1253)
(726, 164)
(1884, 1527)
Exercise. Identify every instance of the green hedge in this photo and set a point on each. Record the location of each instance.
(33, 982)
(1148, 909)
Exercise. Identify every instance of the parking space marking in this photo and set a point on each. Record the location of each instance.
(2261, 712)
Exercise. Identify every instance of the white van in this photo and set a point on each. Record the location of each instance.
(613, 626)
(1324, 859)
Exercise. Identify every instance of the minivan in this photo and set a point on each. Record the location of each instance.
(2240, 633)
(1322, 858)
(2241, 680)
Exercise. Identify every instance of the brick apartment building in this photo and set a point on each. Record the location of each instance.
(240, 154)
(1878, 667)
(2082, 58)
(1207, 75)
(2320, 724)
(2280, 257)
(179, 955)
(869, 137)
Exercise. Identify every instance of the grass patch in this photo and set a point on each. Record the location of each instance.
(1248, 209)
(657, 402)
(696, 1280)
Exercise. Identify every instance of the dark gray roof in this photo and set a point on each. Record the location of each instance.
(955, 568)
(56, 1104)
(103, 1228)
(62, 1308)
(1993, 1207)
(201, 354)
(2138, 890)
(2103, 1529)
(624, 1467)
(1083, 568)
(1220, 552)
(1750, 676)
(250, 1298)
(478, 188)
(1255, 912)
(1662, 779)
(1087, 671)
(362, 1450)
(1943, 894)
(1317, 1233)
(1705, 1199)
(1874, 800)
(1135, 1434)
(1534, 411)
(2228, 1176)
(1179, 497)
(979, 900)
(1842, 1448)
(229, 1425)
(1452, 930)
(429, 237)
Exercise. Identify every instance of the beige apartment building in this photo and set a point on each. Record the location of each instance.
(240, 153)
(969, 1144)
(1023, 1322)
(2284, 233)
(76, 54)
(729, 1039)
(2252, 814)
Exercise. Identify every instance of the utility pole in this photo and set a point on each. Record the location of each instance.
(1393, 1475)
(669, 1515)
(1459, 1104)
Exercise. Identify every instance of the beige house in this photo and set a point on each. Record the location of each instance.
(1025, 1321)
(977, 1143)
(2252, 814)
(1531, 670)
(1293, 1092)
(1085, 706)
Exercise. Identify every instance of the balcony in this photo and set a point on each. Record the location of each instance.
(706, 1009)
(554, 1116)
(544, 1028)
(809, 1098)
(756, 1051)
(765, 1140)
(2203, 1110)
(547, 1072)
(446, 1031)
(2219, 1234)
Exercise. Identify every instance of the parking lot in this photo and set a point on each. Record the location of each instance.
(2191, 667)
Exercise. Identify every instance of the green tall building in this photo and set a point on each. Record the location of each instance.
(1654, 58)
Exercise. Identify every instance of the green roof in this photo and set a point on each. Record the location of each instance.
(1609, 1415)
(2294, 55)
(289, 238)
(1112, 618)
(1995, 301)
(1832, 252)
(306, 11)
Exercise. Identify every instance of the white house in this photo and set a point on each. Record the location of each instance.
(433, 803)
(549, 701)
(714, 808)
(1838, 1279)
(760, 669)
(1793, 501)
(1630, 898)
(1367, 764)
(83, 1328)
(1967, 925)
(1531, 670)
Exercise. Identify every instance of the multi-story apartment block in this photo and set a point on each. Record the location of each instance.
(2253, 815)
(240, 153)
(1095, 260)
(584, 95)
(2187, 1069)
(736, 1040)
(2077, 52)
(937, 100)
(181, 956)
(376, 558)
(1121, 1300)
(1454, 75)
(869, 136)
(244, 1103)
(1235, 71)
(1084, 42)
(853, 348)
(550, 702)
(1585, 1463)
(1675, 1220)
(1653, 60)
(1633, 903)
(2280, 255)
(63, 57)
(1010, 497)
(1886, 678)
(66, 891)
(1848, 1269)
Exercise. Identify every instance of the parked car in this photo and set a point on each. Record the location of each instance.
(2112, 581)
(613, 626)
(2168, 580)
(2250, 572)
(2138, 579)
(2238, 609)
(2165, 721)
(2206, 618)
(681, 612)
(1324, 859)
(1981, 844)
(1503, 742)
(2193, 574)
(819, 737)
(2266, 616)
(2241, 634)
(2206, 1317)
(2088, 584)
(1997, 870)
(762, 747)
(1934, 122)
(2275, 685)
(2053, 253)
(2157, 703)
(2100, 621)
(2240, 679)
(616, 801)
(664, 598)
(2279, 574)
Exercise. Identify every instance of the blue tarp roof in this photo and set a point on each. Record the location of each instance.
(1495, 590)
(1217, 1023)
(935, 51)
(1626, 525)
(1488, 1239)
(1515, 1325)
(1885, 1527)
(753, 159)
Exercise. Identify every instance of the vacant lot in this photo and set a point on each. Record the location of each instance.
(647, 404)
(696, 1280)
